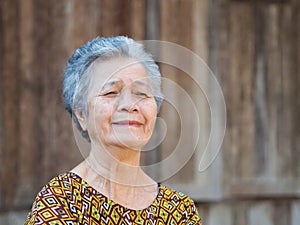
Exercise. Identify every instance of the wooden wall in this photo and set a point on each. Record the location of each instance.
(253, 47)
(37, 38)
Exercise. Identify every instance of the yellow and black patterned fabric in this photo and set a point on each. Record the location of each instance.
(68, 199)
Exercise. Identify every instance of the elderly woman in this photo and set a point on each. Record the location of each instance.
(111, 88)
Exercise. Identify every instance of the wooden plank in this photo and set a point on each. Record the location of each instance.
(92, 17)
(282, 213)
(79, 23)
(172, 29)
(10, 71)
(260, 95)
(285, 121)
(241, 82)
(41, 45)
(273, 67)
(219, 63)
(268, 188)
(169, 72)
(219, 214)
(200, 46)
(29, 114)
(60, 156)
(108, 18)
(152, 14)
(270, 60)
(295, 212)
(203, 210)
(138, 20)
(115, 18)
(296, 145)
(1, 104)
(290, 89)
(231, 89)
(262, 1)
(246, 212)
(13, 217)
(239, 212)
(260, 213)
(123, 17)
(201, 42)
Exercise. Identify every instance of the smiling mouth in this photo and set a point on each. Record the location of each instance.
(128, 123)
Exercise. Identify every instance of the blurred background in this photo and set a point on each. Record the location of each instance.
(253, 48)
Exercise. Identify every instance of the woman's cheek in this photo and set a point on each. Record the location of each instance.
(102, 113)
(149, 111)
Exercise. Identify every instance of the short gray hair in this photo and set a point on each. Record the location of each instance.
(76, 78)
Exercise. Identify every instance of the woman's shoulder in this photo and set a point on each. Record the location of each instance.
(55, 197)
(59, 189)
(63, 181)
(178, 204)
(168, 193)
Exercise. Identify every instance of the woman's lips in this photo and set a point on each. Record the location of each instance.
(132, 123)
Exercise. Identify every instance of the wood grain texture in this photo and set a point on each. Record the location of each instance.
(1, 104)
(37, 38)
(268, 165)
(242, 65)
(253, 50)
(10, 99)
(29, 144)
(177, 30)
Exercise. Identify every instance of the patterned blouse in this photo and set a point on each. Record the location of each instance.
(68, 199)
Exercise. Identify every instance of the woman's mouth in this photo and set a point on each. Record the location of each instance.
(131, 123)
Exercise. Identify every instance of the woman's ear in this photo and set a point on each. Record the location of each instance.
(81, 119)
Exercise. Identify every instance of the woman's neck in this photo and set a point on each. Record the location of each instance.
(112, 155)
(116, 174)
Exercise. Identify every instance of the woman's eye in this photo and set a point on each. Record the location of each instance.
(110, 93)
(142, 94)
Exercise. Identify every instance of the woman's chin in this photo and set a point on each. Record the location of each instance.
(128, 141)
(134, 139)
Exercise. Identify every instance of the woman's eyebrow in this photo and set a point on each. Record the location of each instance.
(110, 83)
(138, 82)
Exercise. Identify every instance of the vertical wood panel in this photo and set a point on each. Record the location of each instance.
(285, 120)
(295, 212)
(242, 72)
(1, 103)
(254, 49)
(271, 165)
(296, 141)
(115, 17)
(260, 95)
(290, 88)
(175, 29)
(219, 214)
(137, 20)
(282, 213)
(39, 140)
(28, 113)
(201, 48)
(273, 67)
(152, 19)
(260, 213)
(10, 99)
(218, 61)
(60, 154)
(240, 213)
(40, 72)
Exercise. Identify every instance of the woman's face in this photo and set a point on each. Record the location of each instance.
(121, 107)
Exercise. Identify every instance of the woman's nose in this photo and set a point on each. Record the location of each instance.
(127, 102)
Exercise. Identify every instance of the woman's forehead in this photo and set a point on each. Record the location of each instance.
(118, 70)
